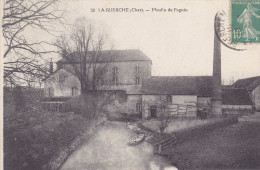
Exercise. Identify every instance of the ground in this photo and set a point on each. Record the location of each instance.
(233, 147)
(108, 149)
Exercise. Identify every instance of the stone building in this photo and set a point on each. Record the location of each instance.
(124, 71)
(252, 85)
(129, 71)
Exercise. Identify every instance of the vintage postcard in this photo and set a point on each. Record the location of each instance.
(130, 85)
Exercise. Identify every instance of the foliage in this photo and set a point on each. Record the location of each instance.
(92, 105)
(19, 99)
(33, 137)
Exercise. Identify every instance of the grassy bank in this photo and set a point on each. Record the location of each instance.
(231, 147)
(33, 138)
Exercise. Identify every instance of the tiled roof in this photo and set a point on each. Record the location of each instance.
(116, 56)
(233, 96)
(178, 85)
(248, 83)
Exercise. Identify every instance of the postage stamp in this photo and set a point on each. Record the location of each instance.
(245, 21)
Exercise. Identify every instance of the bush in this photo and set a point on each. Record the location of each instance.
(202, 114)
(32, 138)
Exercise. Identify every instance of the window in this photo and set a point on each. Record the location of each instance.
(138, 107)
(137, 70)
(137, 74)
(115, 75)
(62, 78)
(74, 91)
(137, 80)
(169, 98)
(50, 92)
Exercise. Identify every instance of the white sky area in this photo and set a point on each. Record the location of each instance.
(179, 44)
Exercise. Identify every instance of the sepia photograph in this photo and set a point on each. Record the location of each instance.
(130, 85)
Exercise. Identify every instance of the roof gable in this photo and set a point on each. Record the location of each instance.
(248, 83)
(64, 69)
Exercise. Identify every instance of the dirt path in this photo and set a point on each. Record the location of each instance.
(108, 149)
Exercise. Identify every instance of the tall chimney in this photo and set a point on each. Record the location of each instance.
(51, 67)
(217, 91)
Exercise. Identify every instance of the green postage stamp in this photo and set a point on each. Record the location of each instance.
(245, 21)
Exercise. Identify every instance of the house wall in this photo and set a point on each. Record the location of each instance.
(132, 100)
(181, 105)
(61, 88)
(184, 105)
(256, 97)
(126, 78)
(126, 72)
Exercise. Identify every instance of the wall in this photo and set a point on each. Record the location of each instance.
(126, 78)
(236, 109)
(185, 105)
(182, 105)
(132, 100)
(256, 97)
(61, 88)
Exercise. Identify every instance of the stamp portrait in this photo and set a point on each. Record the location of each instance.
(245, 21)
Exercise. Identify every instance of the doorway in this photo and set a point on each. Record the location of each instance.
(153, 111)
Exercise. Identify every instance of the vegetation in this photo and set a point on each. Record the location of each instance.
(228, 147)
(82, 52)
(33, 137)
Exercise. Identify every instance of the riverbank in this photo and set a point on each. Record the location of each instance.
(233, 147)
(35, 139)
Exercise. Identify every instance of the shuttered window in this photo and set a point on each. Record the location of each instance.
(115, 76)
(137, 74)
(74, 91)
(138, 107)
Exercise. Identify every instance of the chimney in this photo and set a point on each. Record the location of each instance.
(51, 67)
(217, 91)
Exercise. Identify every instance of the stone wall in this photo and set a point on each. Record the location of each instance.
(256, 97)
(180, 105)
(61, 88)
(126, 74)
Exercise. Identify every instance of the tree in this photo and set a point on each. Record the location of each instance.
(22, 56)
(83, 51)
(164, 116)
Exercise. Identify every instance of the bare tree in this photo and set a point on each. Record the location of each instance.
(23, 56)
(83, 51)
(164, 116)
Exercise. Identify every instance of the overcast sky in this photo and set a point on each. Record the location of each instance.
(179, 44)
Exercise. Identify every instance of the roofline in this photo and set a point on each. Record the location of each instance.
(51, 74)
(177, 76)
(249, 78)
(66, 62)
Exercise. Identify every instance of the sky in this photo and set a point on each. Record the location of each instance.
(179, 44)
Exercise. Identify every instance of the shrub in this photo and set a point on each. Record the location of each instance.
(202, 114)
(32, 138)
